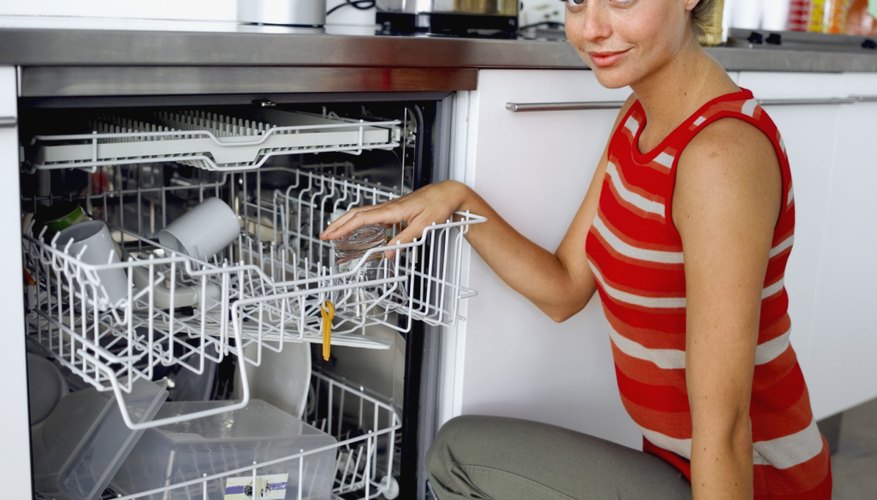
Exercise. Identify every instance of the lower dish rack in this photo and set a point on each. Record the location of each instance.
(344, 447)
(264, 290)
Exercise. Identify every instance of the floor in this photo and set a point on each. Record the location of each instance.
(854, 464)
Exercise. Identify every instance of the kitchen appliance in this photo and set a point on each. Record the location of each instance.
(284, 166)
(498, 18)
(283, 12)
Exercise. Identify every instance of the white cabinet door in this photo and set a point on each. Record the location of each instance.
(534, 168)
(832, 268)
(843, 352)
(14, 420)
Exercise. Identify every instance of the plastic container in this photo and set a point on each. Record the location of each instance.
(219, 444)
(83, 442)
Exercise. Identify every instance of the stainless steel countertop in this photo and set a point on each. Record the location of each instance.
(196, 57)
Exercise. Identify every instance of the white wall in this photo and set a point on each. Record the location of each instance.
(219, 10)
(208, 10)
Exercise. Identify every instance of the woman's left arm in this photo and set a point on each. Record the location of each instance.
(725, 206)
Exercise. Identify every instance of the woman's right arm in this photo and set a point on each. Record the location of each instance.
(559, 283)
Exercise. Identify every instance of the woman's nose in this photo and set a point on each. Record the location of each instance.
(591, 22)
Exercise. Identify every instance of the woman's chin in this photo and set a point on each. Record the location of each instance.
(610, 79)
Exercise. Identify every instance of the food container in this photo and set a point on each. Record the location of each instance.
(199, 448)
(83, 442)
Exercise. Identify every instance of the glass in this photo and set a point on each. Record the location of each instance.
(350, 249)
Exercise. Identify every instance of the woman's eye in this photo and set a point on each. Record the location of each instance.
(574, 2)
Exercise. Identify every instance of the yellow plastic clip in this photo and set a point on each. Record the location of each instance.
(328, 313)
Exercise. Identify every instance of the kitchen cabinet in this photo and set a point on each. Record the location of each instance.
(804, 108)
(534, 168)
(842, 356)
(15, 459)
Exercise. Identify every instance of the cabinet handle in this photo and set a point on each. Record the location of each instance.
(807, 101)
(519, 107)
(8, 121)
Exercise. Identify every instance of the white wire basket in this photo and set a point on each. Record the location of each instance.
(266, 289)
(365, 430)
(211, 141)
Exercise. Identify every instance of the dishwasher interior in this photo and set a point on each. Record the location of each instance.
(264, 367)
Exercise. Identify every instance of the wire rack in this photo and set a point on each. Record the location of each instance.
(210, 141)
(264, 290)
(364, 427)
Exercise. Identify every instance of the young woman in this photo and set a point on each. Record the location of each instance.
(684, 233)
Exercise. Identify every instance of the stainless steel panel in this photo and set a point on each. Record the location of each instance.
(42, 47)
(62, 81)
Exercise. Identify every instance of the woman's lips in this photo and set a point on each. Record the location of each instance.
(604, 59)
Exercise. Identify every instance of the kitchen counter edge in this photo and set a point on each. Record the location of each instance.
(72, 47)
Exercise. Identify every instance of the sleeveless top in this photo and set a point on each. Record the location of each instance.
(636, 255)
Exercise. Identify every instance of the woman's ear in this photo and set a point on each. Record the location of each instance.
(690, 4)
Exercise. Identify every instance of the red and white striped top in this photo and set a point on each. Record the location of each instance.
(637, 258)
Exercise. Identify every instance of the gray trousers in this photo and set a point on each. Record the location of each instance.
(510, 459)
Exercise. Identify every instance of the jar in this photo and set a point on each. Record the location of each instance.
(351, 248)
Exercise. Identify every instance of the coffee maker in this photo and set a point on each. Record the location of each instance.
(467, 18)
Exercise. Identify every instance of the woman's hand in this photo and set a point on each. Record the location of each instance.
(434, 203)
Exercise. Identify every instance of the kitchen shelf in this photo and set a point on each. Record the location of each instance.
(211, 141)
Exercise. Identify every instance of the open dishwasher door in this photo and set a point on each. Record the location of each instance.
(273, 359)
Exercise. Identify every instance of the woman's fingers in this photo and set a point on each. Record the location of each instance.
(356, 218)
(434, 203)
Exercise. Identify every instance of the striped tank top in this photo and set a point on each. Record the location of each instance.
(637, 258)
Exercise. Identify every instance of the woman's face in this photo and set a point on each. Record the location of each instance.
(625, 41)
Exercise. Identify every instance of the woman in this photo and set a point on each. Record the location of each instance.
(684, 233)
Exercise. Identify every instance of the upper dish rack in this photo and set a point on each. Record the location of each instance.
(265, 289)
(207, 140)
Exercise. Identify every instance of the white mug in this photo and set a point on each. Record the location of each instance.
(91, 243)
(202, 231)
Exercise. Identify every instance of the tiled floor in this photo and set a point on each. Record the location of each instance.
(854, 465)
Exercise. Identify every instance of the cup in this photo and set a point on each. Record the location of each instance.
(57, 217)
(202, 231)
(370, 298)
(90, 242)
(350, 249)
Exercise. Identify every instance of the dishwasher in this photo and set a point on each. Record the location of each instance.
(267, 368)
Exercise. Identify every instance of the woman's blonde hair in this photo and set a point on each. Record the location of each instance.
(702, 15)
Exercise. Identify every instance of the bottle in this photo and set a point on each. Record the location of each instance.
(799, 15)
(837, 16)
(816, 21)
(712, 30)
